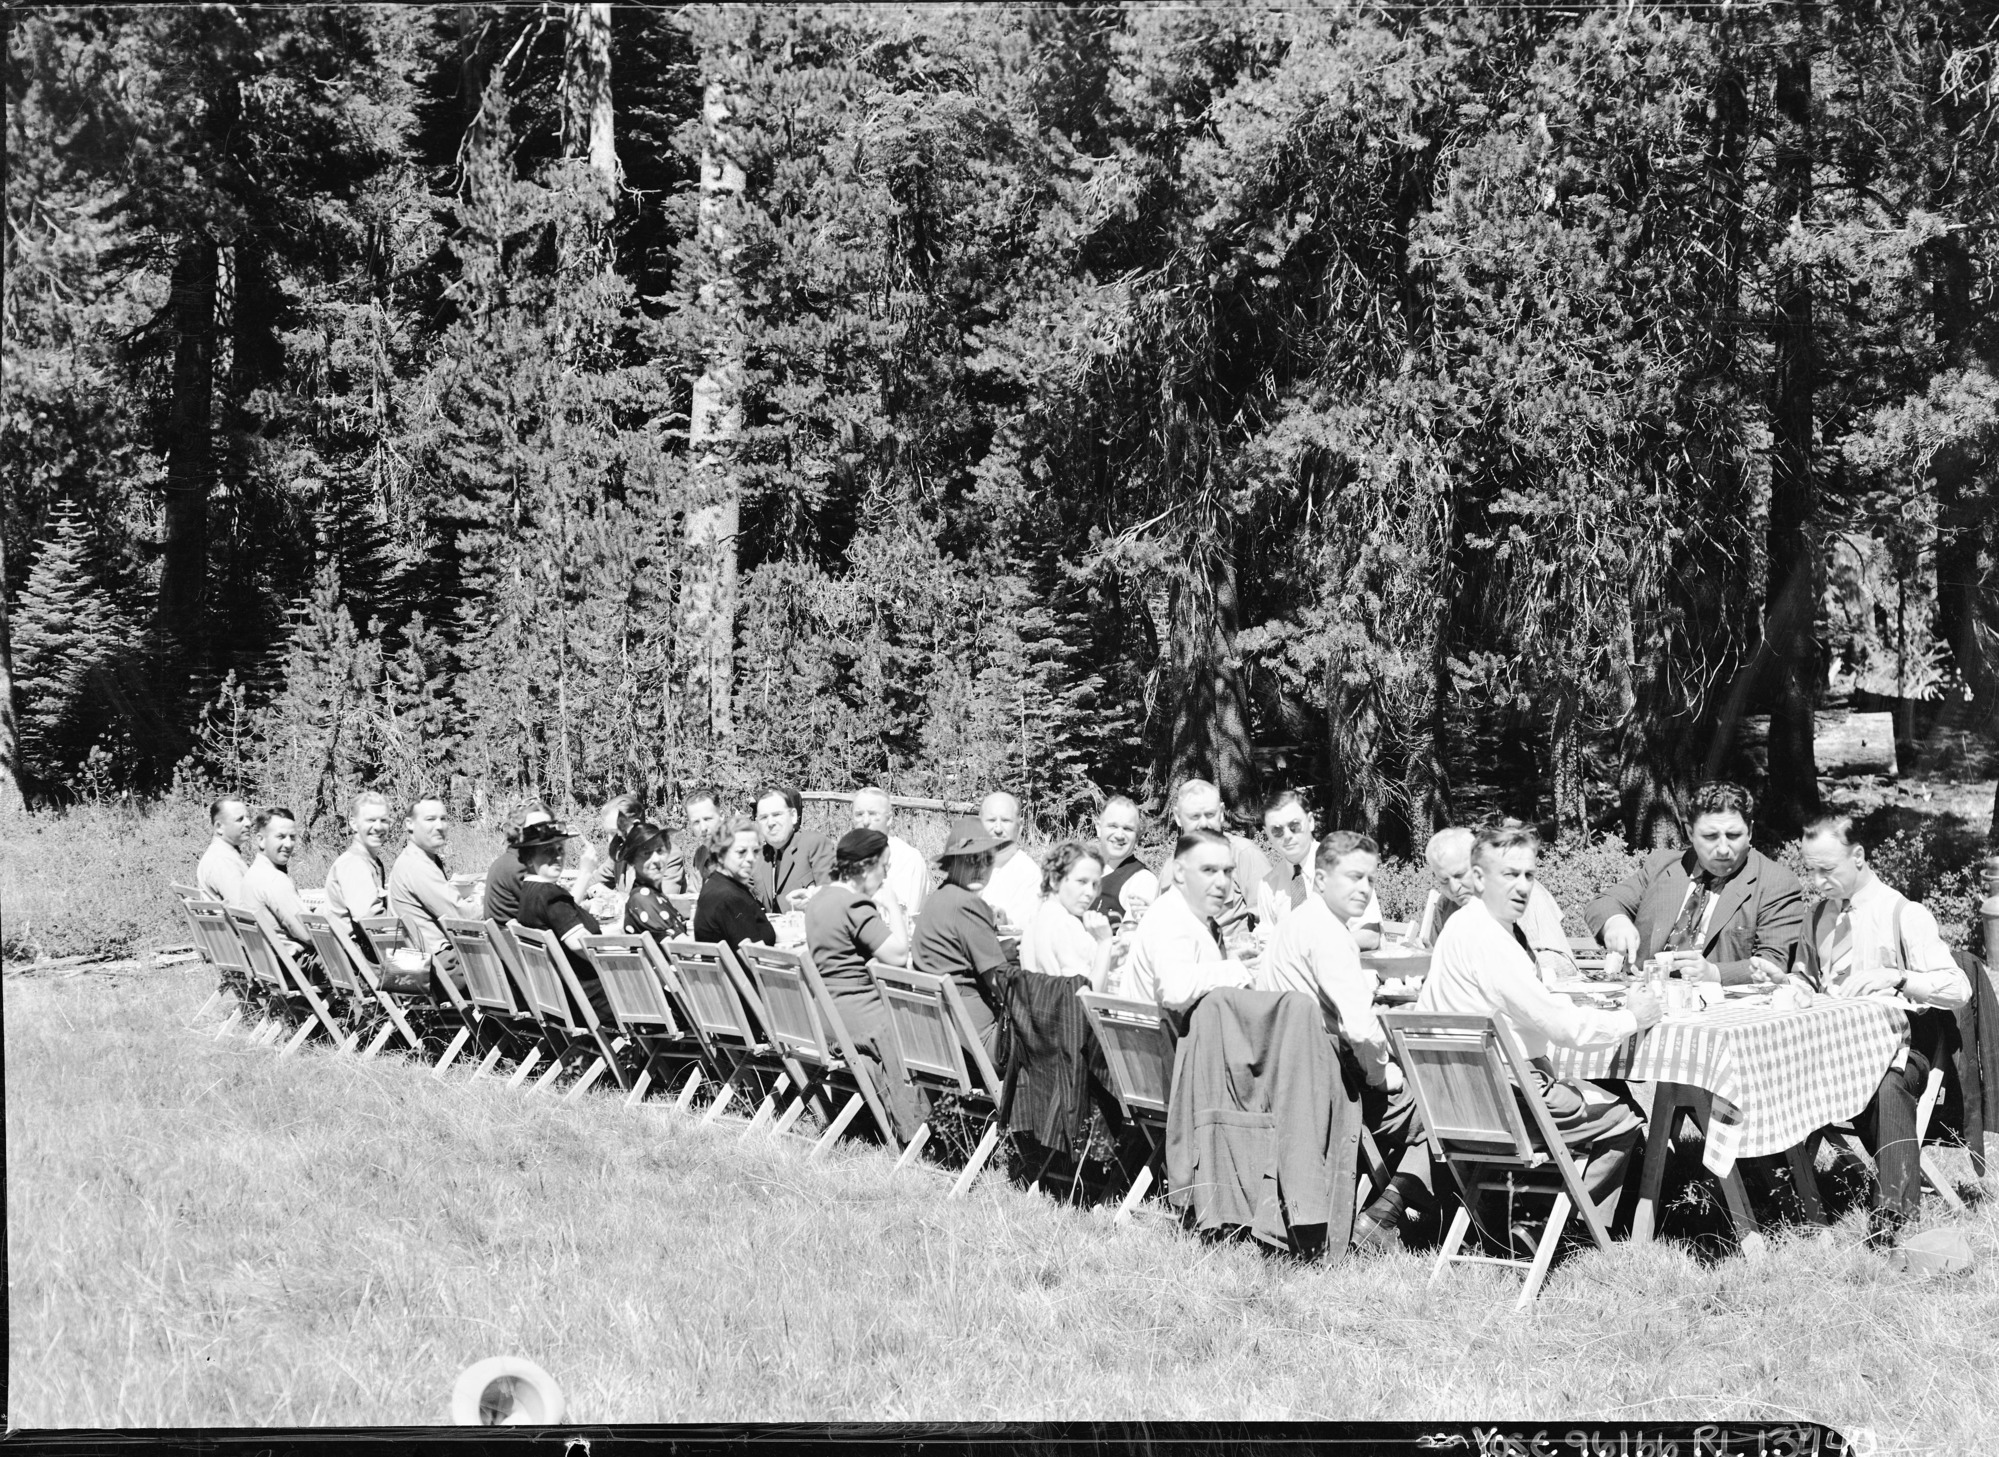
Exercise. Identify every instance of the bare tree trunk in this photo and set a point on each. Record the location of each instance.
(1209, 735)
(191, 446)
(12, 798)
(1791, 599)
(586, 89)
(708, 592)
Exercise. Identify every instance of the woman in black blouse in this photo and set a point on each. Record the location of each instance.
(730, 910)
(645, 853)
(547, 905)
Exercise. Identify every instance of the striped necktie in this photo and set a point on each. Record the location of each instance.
(1836, 946)
(1686, 931)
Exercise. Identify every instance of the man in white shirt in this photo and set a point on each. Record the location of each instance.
(1448, 858)
(357, 880)
(1198, 806)
(908, 881)
(1866, 939)
(1314, 952)
(1482, 966)
(268, 892)
(219, 876)
(1293, 830)
(1176, 954)
(420, 893)
(1015, 887)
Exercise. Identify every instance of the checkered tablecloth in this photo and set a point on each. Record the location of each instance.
(1776, 1076)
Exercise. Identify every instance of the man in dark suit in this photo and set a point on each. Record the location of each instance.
(1723, 910)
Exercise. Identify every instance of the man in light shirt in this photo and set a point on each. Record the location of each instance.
(908, 879)
(219, 876)
(1198, 806)
(1314, 952)
(1448, 857)
(420, 892)
(1014, 891)
(1866, 939)
(1293, 830)
(1482, 966)
(1176, 954)
(357, 881)
(268, 892)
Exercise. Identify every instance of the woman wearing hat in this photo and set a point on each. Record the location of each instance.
(547, 905)
(844, 930)
(956, 935)
(645, 855)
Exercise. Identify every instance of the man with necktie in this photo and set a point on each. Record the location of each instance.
(1177, 954)
(1293, 831)
(1725, 911)
(1866, 939)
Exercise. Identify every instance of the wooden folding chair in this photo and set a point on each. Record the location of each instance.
(349, 970)
(286, 983)
(385, 935)
(185, 892)
(727, 1008)
(216, 939)
(640, 985)
(941, 1053)
(1848, 1139)
(1470, 1084)
(566, 1012)
(496, 988)
(1138, 1052)
(805, 1025)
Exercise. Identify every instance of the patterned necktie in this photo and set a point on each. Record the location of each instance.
(1686, 931)
(1836, 946)
(1215, 930)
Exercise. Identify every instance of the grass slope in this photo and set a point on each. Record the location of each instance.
(201, 1234)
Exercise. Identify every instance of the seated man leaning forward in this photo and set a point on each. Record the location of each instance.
(1013, 889)
(1314, 952)
(1176, 954)
(268, 892)
(1198, 806)
(219, 876)
(1722, 910)
(357, 882)
(794, 860)
(1292, 828)
(1448, 858)
(1866, 939)
(1483, 966)
(421, 894)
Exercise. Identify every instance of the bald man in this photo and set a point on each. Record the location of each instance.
(1014, 888)
(1448, 857)
(1198, 806)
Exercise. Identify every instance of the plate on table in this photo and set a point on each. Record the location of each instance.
(1396, 964)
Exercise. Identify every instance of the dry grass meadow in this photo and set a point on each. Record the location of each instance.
(202, 1234)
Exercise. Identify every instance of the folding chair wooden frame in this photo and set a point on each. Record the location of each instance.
(1470, 1085)
(1138, 1052)
(272, 966)
(804, 1024)
(941, 1053)
(348, 972)
(639, 984)
(496, 987)
(388, 934)
(565, 1010)
(725, 1005)
(222, 949)
(1849, 1138)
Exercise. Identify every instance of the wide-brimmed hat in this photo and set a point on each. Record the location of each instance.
(548, 832)
(969, 837)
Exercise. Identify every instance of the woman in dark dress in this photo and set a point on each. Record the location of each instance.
(547, 905)
(956, 935)
(646, 851)
(844, 932)
(729, 910)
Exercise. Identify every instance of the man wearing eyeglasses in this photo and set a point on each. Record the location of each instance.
(1293, 830)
